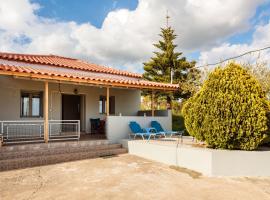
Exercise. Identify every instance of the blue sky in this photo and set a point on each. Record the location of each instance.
(121, 33)
(262, 16)
(95, 11)
(82, 11)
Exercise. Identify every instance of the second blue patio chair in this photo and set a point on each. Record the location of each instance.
(138, 131)
(159, 129)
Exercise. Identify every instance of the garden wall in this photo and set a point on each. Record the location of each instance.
(209, 162)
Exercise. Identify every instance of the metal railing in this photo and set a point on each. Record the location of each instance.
(22, 130)
(64, 129)
(31, 131)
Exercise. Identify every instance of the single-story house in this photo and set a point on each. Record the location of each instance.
(49, 97)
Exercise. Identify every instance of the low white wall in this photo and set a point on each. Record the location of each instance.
(195, 159)
(240, 163)
(117, 126)
(164, 154)
(209, 162)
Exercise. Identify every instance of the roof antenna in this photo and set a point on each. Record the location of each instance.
(167, 25)
(167, 19)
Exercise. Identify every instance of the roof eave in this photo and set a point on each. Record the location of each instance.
(86, 81)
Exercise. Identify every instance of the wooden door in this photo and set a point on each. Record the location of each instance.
(71, 107)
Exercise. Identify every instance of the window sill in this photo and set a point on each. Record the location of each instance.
(30, 117)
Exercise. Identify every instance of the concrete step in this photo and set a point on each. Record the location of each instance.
(64, 144)
(32, 161)
(26, 152)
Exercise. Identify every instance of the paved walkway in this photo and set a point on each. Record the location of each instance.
(125, 177)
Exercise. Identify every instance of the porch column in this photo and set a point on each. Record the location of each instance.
(46, 112)
(152, 103)
(108, 101)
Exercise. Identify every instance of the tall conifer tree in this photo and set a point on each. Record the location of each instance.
(169, 66)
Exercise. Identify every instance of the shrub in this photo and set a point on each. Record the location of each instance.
(230, 111)
(178, 123)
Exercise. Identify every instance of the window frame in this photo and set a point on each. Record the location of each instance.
(104, 100)
(31, 95)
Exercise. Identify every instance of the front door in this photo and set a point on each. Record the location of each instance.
(71, 107)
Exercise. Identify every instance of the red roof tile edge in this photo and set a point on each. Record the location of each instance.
(29, 71)
(64, 62)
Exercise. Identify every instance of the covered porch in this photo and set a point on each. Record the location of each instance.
(47, 111)
(51, 98)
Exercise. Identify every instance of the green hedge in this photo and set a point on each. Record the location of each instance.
(230, 111)
(178, 122)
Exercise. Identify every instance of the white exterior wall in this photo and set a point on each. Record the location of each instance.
(240, 163)
(117, 127)
(183, 156)
(127, 101)
(209, 162)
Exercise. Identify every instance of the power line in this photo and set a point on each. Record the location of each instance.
(231, 58)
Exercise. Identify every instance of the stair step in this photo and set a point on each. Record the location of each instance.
(30, 155)
(32, 161)
(54, 151)
(66, 144)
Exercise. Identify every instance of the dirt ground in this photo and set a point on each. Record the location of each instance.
(125, 177)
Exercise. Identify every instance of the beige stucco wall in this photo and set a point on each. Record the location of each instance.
(127, 101)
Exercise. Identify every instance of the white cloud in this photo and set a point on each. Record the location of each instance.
(260, 39)
(17, 15)
(126, 37)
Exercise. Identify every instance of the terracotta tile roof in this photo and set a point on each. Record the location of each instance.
(64, 62)
(61, 68)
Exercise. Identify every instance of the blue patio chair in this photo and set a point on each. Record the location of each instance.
(159, 129)
(138, 131)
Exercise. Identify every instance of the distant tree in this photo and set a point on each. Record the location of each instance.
(169, 66)
(262, 73)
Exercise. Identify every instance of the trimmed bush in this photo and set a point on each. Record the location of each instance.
(178, 123)
(230, 111)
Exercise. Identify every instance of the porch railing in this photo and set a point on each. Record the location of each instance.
(64, 129)
(33, 131)
(22, 130)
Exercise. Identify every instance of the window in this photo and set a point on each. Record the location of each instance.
(31, 104)
(102, 105)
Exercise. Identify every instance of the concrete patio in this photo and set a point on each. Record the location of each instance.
(125, 177)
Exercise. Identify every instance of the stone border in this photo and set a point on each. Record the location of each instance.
(209, 162)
